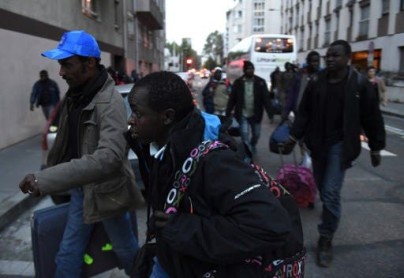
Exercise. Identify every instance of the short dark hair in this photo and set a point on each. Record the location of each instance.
(311, 54)
(371, 67)
(166, 90)
(43, 72)
(344, 44)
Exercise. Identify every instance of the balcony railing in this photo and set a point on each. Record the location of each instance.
(149, 14)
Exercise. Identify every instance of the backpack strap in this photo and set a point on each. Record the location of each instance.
(274, 186)
(182, 177)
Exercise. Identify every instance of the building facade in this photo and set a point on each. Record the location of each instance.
(249, 17)
(130, 34)
(375, 29)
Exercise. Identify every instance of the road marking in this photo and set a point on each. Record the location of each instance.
(382, 153)
(394, 130)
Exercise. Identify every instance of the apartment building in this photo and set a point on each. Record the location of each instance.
(249, 17)
(375, 29)
(130, 34)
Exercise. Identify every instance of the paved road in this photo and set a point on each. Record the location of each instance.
(370, 240)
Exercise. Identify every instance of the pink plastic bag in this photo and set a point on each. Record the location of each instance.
(299, 181)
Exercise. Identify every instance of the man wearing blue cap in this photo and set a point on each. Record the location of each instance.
(89, 157)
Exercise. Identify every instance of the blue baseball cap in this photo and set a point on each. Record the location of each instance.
(72, 43)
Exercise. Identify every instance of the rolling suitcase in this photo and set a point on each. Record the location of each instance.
(299, 181)
(47, 227)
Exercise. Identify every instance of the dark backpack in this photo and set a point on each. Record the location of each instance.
(288, 260)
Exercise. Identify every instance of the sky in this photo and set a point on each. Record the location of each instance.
(195, 19)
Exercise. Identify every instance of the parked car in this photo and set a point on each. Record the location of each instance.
(49, 135)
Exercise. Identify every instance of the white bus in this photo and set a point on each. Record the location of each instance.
(265, 51)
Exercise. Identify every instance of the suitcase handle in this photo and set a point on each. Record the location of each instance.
(281, 156)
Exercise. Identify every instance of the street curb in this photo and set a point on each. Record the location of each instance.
(14, 206)
(392, 114)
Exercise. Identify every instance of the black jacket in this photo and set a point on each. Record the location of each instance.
(223, 231)
(361, 112)
(261, 99)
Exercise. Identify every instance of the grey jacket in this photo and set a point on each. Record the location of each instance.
(103, 170)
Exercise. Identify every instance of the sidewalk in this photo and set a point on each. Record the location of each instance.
(394, 109)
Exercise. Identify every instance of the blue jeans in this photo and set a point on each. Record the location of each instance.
(245, 125)
(47, 110)
(158, 271)
(69, 259)
(329, 174)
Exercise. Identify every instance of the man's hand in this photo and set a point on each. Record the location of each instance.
(31, 107)
(30, 185)
(160, 219)
(376, 158)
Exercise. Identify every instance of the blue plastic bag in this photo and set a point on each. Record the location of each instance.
(278, 137)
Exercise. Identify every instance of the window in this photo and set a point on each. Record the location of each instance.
(338, 3)
(401, 70)
(301, 40)
(327, 33)
(145, 38)
(259, 8)
(131, 26)
(364, 22)
(89, 8)
(116, 13)
(258, 16)
(258, 25)
(402, 5)
(385, 6)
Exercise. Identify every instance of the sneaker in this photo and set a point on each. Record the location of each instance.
(324, 251)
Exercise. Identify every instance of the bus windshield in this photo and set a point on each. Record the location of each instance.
(265, 51)
(273, 45)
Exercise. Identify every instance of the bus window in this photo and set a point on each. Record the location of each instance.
(273, 45)
(265, 51)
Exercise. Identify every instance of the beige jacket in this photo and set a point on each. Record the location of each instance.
(220, 98)
(103, 171)
(381, 88)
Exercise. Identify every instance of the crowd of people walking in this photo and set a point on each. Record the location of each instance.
(206, 205)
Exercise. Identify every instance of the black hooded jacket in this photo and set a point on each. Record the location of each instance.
(361, 112)
(261, 99)
(214, 231)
